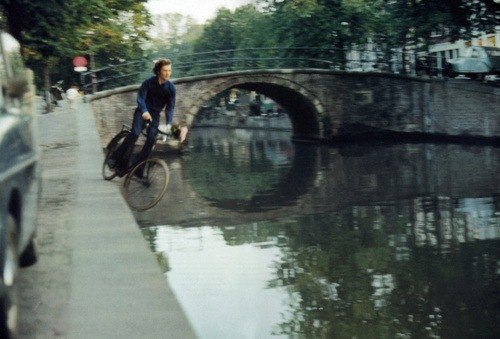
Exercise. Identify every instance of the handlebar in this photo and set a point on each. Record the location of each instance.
(126, 127)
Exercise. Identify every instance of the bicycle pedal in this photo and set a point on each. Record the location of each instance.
(121, 172)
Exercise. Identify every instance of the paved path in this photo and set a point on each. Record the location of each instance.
(96, 277)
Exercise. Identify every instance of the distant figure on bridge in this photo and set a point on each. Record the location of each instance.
(155, 94)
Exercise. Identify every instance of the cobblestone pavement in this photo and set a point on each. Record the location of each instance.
(44, 287)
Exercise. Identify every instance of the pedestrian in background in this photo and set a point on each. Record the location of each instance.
(73, 94)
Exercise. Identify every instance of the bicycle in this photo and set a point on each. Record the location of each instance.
(144, 190)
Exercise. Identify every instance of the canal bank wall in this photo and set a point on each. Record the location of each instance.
(95, 277)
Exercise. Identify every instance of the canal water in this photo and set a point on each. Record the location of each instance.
(260, 237)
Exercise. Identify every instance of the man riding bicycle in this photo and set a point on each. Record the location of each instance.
(155, 94)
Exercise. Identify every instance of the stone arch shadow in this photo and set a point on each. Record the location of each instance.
(305, 110)
(285, 192)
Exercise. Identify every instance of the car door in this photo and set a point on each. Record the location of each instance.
(19, 177)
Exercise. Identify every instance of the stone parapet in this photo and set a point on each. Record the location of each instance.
(332, 105)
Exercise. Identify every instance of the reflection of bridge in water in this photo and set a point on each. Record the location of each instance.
(380, 237)
(441, 190)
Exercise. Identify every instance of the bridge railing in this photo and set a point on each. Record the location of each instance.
(213, 62)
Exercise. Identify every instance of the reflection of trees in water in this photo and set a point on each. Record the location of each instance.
(414, 267)
(380, 246)
(255, 176)
(223, 173)
(363, 272)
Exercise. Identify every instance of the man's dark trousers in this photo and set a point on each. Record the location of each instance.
(122, 154)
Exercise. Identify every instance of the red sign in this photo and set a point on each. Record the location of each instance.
(79, 61)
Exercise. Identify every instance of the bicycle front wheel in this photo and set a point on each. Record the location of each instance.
(146, 184)
(109, 173)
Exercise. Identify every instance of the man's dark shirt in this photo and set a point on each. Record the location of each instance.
(153, 97)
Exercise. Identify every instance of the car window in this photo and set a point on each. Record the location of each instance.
(494, 52)
(14, 78)
(471, 53)
(11, 50)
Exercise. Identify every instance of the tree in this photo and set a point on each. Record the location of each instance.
(218, 33)
(217, 36)
(52, 32)
(327, 25)
(33, 25)
(253, 35)
(389, 23)
(173, 35)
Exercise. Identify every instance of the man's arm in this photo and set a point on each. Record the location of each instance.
(169, 110)
(141, 96)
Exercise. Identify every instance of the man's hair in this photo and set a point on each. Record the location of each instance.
(159, 64)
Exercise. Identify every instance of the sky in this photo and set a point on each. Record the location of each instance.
(201, 10)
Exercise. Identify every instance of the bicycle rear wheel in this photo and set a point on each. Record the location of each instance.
(107, 172)
(144, 191)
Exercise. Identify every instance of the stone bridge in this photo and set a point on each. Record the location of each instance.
(326, 105)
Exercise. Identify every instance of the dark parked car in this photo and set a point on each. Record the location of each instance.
(19, 177)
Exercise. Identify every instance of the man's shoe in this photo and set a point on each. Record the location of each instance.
(120, 171)
(139, 173)
(120, 168)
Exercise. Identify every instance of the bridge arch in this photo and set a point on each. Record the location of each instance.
(305, 110)
(333, 105)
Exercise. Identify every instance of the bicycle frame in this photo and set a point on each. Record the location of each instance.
(140, 192)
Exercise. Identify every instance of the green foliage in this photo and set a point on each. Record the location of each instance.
(52, 32)
(393, 23)
(252, 29)
(172, 34)
(331, 27)
(218, 34)
(225, 179)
